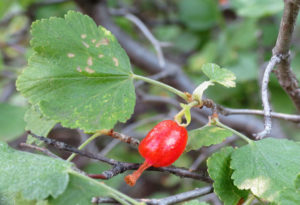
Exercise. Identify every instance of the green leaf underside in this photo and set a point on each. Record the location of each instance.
(266, 167)
(219, 75)
(206, 136)
(37, 123)
(35, 176)
(11, 121)
(79, 75)
(219, 170)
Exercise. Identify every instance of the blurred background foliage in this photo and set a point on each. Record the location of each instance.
(236, 34)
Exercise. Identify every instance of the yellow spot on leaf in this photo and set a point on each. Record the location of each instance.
(79, 69)
(71, 55)
(90, 61)
(100, 55)
(93, 40)
(104, 42)
(116, 61)
(89, 70)
(85, 44)
(83, 36)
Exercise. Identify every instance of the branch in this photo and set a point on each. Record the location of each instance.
(285, 75)
(185, 196)
(40, 149)
(265, 97)
(229, 111)
(120, 167)
(156, 43)
(124, 138)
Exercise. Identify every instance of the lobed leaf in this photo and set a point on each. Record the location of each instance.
(219, 75)
(266, 167)
(35, 176)
(78, 75)
(206, 136)
(219, 170)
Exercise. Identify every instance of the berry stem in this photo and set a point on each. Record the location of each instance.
(162, 85)
(97, 134)
(218, 123)
(132, 178)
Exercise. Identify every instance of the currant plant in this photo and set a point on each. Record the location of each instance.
(79, 76)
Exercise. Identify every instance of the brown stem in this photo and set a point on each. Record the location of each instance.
(132, 178)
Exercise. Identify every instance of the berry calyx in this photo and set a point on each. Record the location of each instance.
(162, 146)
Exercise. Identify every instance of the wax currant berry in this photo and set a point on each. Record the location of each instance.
(161, 147)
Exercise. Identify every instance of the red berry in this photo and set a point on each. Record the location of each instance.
(162, 146)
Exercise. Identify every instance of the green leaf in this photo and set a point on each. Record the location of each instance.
(199, 15)
(15, 199)
(82, 189)
(37, 124)
(195, 202)
(266, 167)
(35, 176)
(79, 191)
(219, 75)
(219, 170)
(11, 121)
(291, 196)
(79, 75)
(206, 136)
(257, 8)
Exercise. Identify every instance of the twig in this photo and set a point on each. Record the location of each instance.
(123, 138)
(156, 43)
(40, 149)
(265, 97)
(120, 167)
(285, 75)
(185, 196)
(229, 111)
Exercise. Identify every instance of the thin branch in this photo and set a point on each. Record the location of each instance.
(229, 111)
(156, 43)
(185, 196)
(285, 75)
(265, 97)
(40, 149)
(124, 138)
(120, 167)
